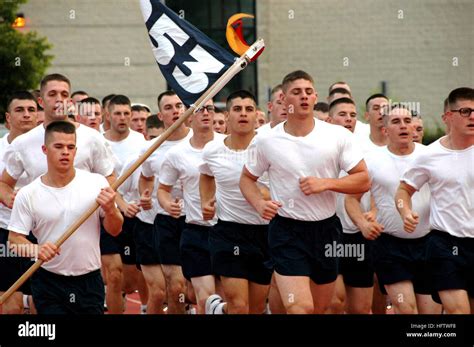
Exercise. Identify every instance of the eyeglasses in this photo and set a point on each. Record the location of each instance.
(465, 111)
(209, 108)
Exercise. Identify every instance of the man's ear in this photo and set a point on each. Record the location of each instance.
(160, 116)
(44, 149)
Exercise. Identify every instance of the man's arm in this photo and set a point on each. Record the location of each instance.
(370, 228)
(45, 252)
(113, 219)
(166, 201)
(267, 209)
(207, 191)
(403, 204)
(357, 181)
(7, 189)
(145, 188)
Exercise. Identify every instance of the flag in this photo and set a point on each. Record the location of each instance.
(189, 60)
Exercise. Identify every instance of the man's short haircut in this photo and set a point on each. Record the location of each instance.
(340, 101)
(322, 107)
(119, 100)
(218, 110)
(463, 93)
(106, 98)
(154, 122)
(295, 75)
(61, 126)
(54, 77)
(332, 86)
(340, 91)
(446, 105)
(139, 108)
(36, 94)
(275, 90)
(165, 93)
(387, 110)
(373, 96)
(243, 94)
(91, 100)
(79, 92)
(20, 95)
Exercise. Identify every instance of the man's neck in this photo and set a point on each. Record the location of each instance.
(58, 179)
(13, 134)
(274, 123)
(457, 142)
(402, 149)
(200, 138)
(48, 120)
(179, 133)
(239, 141)
(377, 137)
(115, 136)
(299, 126)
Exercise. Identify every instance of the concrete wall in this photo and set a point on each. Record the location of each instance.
(409, 44)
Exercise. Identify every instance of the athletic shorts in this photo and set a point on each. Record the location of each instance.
(194, 247)
(451, 262)
(398, 259)
(241, 251)
(357, 270)
(304, 248)
(146, 240)
(57, 294)
(12, 267)
(122, 244)
(169, 231)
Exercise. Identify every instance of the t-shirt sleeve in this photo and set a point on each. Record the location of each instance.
(350, 153)
(169, 173)
(21, 220)
(256, 162)
(204, 167)
(104, 161)
(416, 174)
(13, 161)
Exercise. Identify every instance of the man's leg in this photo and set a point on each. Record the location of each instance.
(455, 301)
(175, 287)
(338, 301)
(426, 305)
(322, 295)
(358, 300)
(403, 297)
(379, 300)
(114, 274)
(295, 293)
(237, 295)
(274, 299)
(257, 297)
(204, 287)
(155, 281)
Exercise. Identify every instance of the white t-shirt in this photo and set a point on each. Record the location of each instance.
(323, 153)
(25, 155)
(385, 170)
(362, 130)
(264, 129)
(450, 177)
(182, 164)
(226, 165)
(127, 148)
(49, 211)
(152, 167)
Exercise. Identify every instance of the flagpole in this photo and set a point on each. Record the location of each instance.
(241, 63)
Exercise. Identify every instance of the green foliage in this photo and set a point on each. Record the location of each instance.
(431, 135)
(23, 60)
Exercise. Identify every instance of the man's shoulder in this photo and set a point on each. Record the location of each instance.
(214, 146)
(34, 135)
(90, 177)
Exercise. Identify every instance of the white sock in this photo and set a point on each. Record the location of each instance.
(26, 303)
(143, 308)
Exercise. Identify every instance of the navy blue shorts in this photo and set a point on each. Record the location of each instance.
(122, 244)
(398, 259)
(56, 294)
(299, 248)
(241, 251)
(357, 270)
(451, 262)
(169, 231)
(195, 255)
(12, 267)
(146, 241)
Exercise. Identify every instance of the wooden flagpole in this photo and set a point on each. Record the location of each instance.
(241, 63)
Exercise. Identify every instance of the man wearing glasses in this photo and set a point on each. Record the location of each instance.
(448, 168)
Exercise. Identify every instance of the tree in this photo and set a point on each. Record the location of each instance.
(23, 61)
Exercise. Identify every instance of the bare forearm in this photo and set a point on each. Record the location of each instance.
(16, 239)
(354, 210)
(356, 183)
(402, 201)
(164, 197)
(145, 183)
(250, 190)
(207, 188)
(113, 222)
